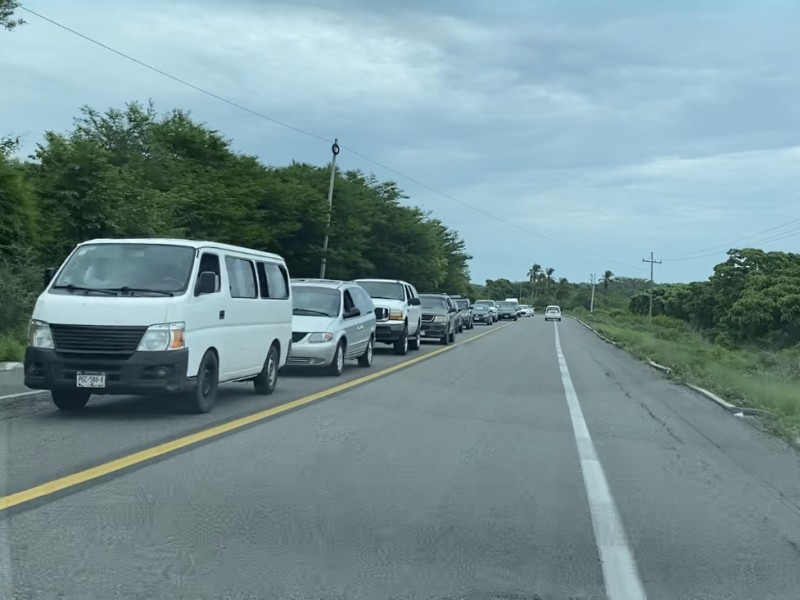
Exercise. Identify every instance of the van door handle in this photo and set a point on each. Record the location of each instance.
(222, 314)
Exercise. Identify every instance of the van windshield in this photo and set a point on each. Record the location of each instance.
(156, 268)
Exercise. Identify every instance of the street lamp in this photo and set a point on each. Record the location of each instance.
(335, 151)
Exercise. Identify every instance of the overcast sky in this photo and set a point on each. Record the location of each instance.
(612, 128)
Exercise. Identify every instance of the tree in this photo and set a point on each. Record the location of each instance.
(606, 278)
(7, 18)
(533, 274)
(564, 290)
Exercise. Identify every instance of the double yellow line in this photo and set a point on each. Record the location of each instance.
(149, 454)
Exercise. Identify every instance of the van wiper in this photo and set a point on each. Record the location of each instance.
(132, 290)
(81, 288)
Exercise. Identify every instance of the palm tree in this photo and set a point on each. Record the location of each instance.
(533, 274)
(607, 278)
(548, 276)
(563, 290)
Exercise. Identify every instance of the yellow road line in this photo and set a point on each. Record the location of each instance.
(81, 477)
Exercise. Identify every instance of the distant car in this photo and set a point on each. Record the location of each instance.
(482, 313)
(439, 317)
(527, 311)
(332, 321)
(465, 312)
(552, 313)
(507, 310)
(492, 308)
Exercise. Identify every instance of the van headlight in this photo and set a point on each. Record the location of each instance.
(318, 338)
(39, 335)
(164, 336)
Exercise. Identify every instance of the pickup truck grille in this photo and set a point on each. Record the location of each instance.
(381, 314)
(96, 339)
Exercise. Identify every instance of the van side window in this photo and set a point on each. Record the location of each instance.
(277, 281)
(242, 277)
(348, 301)
(263, 283)
(210, 262)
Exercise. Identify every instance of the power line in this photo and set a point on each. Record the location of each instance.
(318, 137)
(781, 236)
(688, 255)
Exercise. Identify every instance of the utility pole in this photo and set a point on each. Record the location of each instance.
(335, 151)
(593, 279)
(652, 262)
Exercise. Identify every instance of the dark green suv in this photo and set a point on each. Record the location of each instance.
(439, 317)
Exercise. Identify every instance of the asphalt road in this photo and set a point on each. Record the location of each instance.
(488, 471)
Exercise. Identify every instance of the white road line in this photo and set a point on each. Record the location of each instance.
(619, 567)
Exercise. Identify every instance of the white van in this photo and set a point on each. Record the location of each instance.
(155, 316)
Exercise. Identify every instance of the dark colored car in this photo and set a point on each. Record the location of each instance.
(482, 313)
(465, 312)
(507, 310)
(439, 317)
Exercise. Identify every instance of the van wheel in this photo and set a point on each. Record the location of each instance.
(267, 379)
(365, 360)
(415, 343)
(401, 345)
(203, 397)
(337, 364)
(69, 400)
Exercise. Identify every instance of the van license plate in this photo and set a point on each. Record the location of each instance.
(91, 380)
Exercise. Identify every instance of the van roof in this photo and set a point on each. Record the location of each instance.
(196, 244)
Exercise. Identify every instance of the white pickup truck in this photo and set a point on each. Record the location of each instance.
(398, 313)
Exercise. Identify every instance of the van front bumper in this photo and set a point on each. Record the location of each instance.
(141, 373)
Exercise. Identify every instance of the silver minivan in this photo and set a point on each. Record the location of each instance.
(332, 321)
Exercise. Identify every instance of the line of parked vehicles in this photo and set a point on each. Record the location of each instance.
(172, 316)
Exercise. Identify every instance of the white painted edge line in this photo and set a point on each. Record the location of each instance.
(659, 367)
(620, 573)
(22, 395)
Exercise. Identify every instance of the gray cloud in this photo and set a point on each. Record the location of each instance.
(616, 129)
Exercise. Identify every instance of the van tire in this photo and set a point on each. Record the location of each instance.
(365, 360)
(415, 343)
(336, 368)
(202, 398)
(401, 345)
(267, 380)
(70, 400)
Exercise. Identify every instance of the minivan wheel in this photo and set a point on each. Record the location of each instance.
(266, 381)
(365, 360)
(401, 345)
(415, 343)
(336, 367)
(203, 397)
(69, 399)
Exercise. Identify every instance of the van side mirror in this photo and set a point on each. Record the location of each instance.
(353, 312)
(49, 273)
(414, 302)
(206, 283)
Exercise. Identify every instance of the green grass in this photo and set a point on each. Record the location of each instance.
(12, 348)
(748, 377)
